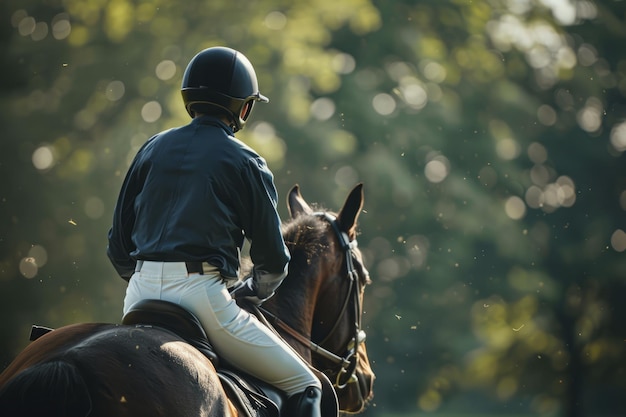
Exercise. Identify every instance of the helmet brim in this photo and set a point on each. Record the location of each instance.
(260, 97)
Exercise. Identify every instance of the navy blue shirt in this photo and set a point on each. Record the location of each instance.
(194, 193)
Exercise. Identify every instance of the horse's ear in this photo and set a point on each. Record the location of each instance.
(347, 217)
(296, 203)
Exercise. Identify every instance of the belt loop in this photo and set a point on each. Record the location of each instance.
(138, 266)
(195, 267)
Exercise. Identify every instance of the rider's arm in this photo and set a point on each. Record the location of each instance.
(120, 243)
(262, 227)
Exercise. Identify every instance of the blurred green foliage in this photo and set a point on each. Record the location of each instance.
(490, 136)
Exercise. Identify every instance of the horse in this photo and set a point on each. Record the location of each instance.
(138, 369)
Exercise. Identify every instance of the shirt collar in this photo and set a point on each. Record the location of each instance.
(214, 121)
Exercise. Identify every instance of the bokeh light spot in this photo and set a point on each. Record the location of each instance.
(343, 63)
(28, 267)
(165, 70)
(346, 176)
(436, 170)
(384, 104)
(414, 95)
(40, 32)
(546, 115)
(534, 197)
(590, 118)
(342, 142)
(17, 17)
(151, 111)
(262, 137)
(275, 20)
(43, 158)
(515, 208)
(537, 153)
(323, 108)
(429, 401)
(435, 72)
(508, 149)
(618, 137)
(39, 255)
(61, 26)
(618, 240)
(115, 90)
(26, 26)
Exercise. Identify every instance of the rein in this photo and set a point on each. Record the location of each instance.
(347, 363)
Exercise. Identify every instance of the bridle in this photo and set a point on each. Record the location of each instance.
(346, 363)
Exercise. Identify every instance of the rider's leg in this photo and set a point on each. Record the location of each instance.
(237, 336)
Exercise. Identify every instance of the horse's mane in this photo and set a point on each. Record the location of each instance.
(304, 236)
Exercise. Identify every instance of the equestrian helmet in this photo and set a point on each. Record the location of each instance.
(224, 78)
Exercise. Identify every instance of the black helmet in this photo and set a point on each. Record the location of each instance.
(224, 78)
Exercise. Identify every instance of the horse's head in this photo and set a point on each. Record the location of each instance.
(322, 297)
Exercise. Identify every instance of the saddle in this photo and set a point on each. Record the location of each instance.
(252, 397)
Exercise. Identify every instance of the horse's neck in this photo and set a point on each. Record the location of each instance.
(297, 313)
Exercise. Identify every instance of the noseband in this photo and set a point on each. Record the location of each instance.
(346, 363)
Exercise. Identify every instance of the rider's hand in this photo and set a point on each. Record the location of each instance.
(246, 290)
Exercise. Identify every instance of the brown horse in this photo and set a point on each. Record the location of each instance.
(95, 369)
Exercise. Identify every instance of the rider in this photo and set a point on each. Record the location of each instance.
(190, 198)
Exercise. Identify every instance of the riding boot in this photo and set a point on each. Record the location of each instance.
(305, 404)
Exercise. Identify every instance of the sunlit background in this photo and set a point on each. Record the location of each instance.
(489, 134)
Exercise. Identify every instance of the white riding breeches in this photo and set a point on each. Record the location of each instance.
(236, 335)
